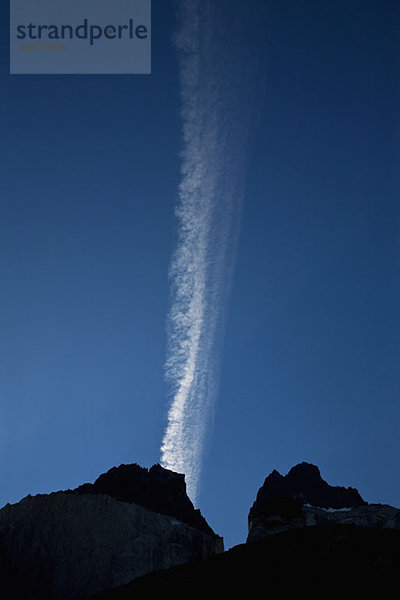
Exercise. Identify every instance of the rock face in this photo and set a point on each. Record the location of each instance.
(326, 539)
(303, 499)
(379, 516)
(157, 489)
(70, 545)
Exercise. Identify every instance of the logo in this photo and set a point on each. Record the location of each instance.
(80, 36)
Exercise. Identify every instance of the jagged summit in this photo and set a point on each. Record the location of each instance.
(303, 484)
(71, 544)
(302, 499)
(128, 529)
(157, 489)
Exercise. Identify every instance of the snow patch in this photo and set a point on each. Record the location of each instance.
(346, 509)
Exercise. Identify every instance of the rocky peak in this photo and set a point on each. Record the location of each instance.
(285, 495)
(305, 473)
(72, 544)
(156, 489)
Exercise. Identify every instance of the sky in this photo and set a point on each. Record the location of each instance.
(305, 360)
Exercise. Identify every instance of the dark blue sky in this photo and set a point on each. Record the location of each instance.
(89, 174)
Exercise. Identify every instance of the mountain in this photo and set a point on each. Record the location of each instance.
(71, 544)
(303, 499)
(134, 532)
(335, 561)
(305, 537)
(303, 484)
(157, 489)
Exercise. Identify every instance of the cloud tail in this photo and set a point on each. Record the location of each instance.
(217, 88)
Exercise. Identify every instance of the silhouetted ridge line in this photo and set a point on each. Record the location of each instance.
(156, 489)
(347, 560)
(285, 495)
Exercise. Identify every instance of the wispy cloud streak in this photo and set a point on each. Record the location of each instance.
(218, 84)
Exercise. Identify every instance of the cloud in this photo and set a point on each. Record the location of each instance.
(218, 83)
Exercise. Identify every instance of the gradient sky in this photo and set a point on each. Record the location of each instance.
(90, 167)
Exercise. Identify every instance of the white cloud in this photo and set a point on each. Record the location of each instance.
(216, 88)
